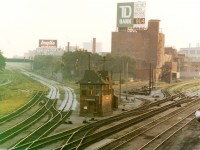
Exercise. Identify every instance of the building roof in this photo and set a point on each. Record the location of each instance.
(104, 74)
(92, 77)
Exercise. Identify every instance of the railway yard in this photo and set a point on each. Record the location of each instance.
(163, 120)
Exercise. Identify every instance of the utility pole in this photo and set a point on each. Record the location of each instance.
(89, 61)
(104, 62)
(126, 80)
(120, 86)
(150, 78)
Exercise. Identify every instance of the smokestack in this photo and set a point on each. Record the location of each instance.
(68, 44)
(94, 45)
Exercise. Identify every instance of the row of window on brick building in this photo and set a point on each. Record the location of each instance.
(94, 90)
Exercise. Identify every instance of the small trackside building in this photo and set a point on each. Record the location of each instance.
(96, 94)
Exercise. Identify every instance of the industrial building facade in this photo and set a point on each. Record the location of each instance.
(145, 46)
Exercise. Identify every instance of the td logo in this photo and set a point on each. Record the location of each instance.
(125, 14)
(126, 11)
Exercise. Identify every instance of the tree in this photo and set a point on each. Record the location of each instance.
(46, 64)
(2, 61)
(73, 64)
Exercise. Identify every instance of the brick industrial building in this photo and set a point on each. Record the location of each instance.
(146, 47)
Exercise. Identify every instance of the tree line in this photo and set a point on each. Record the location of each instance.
(2, 61)
(73, 64)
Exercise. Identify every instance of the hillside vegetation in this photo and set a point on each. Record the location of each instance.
(15, 90)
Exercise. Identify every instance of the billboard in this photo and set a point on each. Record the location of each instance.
(125, 14)
(48, 43)
(139, 14)
(131, 14)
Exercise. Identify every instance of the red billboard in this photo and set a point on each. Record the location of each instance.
(48, 43)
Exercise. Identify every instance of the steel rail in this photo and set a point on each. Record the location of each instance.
(116, 144)
(170, 136)
(22, 109)
(60, 135)
(58, 118)
(109, 131)
(92, 128)
(180, 122)
(19, 127)
(47, 108)
(31, 136)
(61, 119)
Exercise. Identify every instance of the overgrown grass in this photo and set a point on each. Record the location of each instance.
(18, 92)
(10, 105)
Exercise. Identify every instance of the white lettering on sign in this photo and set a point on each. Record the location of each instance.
(139, 9)
(124, 21)
(48, 43)
(126, 11)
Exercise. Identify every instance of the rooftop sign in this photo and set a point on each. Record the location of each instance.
(48, 43)
(125, 14)
(131, 14)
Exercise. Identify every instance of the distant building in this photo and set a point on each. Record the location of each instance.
(49, 51)
(44, 51)
(193, 52)
(104, 53)
(69, 48)
(49, 47)
(189, 63)
(170, 68)
(93, 46)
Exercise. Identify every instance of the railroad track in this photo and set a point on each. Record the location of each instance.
(55, 117)
(58, 117)
(81, 137)
(159, 140)
(34, 100)
(27, 123)
(145, 130)
(71, 135)
(38, 141)
(87, 130)
(88, 138)
(47, 109)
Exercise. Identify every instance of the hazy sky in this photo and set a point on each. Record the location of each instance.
(24, 22)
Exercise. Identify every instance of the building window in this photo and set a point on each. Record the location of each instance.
(185, 51)
(192, 52)
(90, 90)
(83, 90)
(97, 89)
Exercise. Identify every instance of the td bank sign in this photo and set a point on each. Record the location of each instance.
(125, 14)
